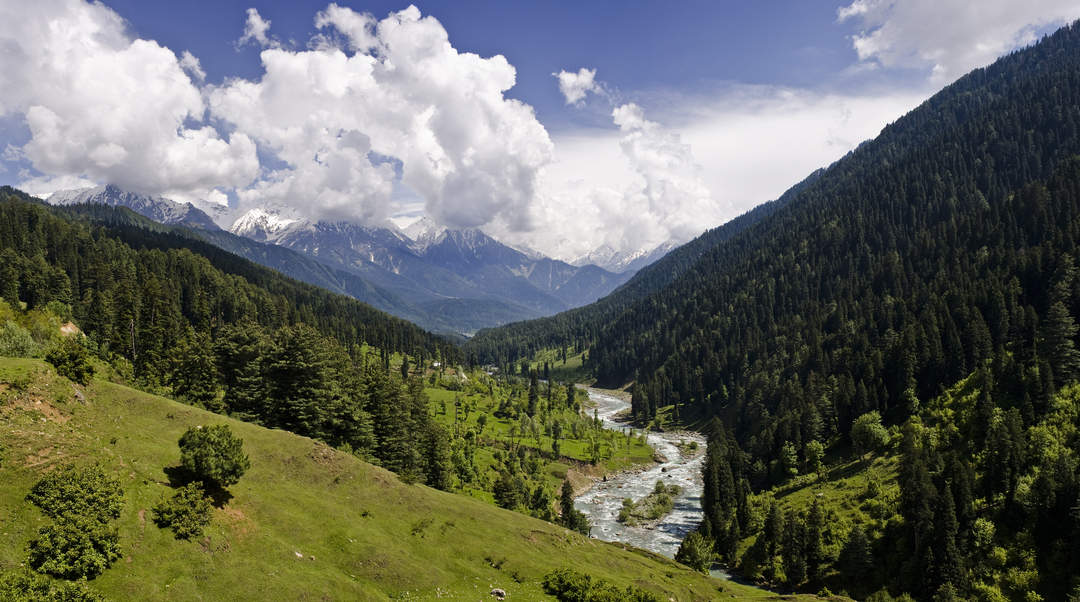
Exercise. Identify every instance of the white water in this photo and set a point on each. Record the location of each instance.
(602, 502)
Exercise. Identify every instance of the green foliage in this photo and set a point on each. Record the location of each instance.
(74, 491)
(696, 552)
(194, 375)
(15, 341)
(510, 491)
(868, 434)
(213, 454)
(814, 455)
(654, 506)
(75, 548)
(71, 359)
(81, 543)
(856, 559)
(571, 518)
(187, 512)
(571, 586)
(27, 586)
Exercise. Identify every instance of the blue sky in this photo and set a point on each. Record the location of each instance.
(682, 46)
(666, 118)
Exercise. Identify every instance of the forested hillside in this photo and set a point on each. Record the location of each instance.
(944, 251)
(132, 279)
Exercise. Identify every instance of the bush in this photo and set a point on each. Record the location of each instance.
(15, 341)
(187, 511)
(696, 552)
(79, 492)
(71, 360)
(74, 548)
(27, 586)
(867, 434)
(572, 586)
(213, 454)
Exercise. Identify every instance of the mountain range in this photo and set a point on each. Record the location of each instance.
(451, 281)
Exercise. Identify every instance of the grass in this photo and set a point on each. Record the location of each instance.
(573, 370)
(305, 523)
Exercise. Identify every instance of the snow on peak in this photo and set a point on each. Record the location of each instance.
(262, 225)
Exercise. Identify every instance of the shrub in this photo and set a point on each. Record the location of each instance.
(187, 511)
(79, 492)
(15, 341)
(213, 454)
(74, 548)
(27, 586)
(71, 360)
(572, 586)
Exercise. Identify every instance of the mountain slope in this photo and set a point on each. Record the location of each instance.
(157, 208)
(440, 268)
(942, 251)
(306, 521)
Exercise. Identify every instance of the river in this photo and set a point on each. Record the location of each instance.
(601, 503)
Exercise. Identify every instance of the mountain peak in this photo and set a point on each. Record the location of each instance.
(157, 208)
(262, 225)
(623, 261)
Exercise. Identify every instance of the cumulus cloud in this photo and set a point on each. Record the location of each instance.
(948, 37)
(372, 101)
(255, 31)
(190, 63)
(641, 186)
(101, 107)
(651, 193)
(574, 86)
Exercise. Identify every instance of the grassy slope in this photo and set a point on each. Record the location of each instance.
(362, 533)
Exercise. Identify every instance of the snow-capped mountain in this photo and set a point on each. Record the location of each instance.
(447, 271)
(623, 261)
(423, 231)
(261, 225)
(445, 279)
(157, 208)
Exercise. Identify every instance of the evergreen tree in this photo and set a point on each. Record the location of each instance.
(855, 560)
(534, 394)
(194, 375)
(794, 549)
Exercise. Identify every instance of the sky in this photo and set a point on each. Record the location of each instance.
(560, 126)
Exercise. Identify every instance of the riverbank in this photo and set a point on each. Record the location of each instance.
(602, 502)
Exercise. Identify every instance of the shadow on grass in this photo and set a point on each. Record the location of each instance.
(179, 476)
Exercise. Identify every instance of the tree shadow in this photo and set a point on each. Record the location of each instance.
(179, 476)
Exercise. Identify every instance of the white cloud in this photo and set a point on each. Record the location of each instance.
(255, 31)
(642, 186)
(190, 63)
(949, 37)
(43, 186)
(574, 86)
(398, 97)
(632, 190)
(101, 107)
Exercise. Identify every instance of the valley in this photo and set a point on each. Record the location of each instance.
(358, 309)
